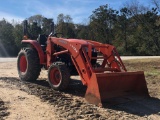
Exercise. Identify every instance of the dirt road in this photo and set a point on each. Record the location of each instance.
(23, 100)
(8, 59)
(122, 57)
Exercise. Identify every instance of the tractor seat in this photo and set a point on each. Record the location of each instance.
(42, 39)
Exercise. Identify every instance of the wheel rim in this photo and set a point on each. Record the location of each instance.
(23, 64)
(55, 76)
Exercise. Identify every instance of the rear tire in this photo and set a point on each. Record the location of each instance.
(28, 64)
(58, 76)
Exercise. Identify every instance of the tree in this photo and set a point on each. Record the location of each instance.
(39, 24)
(34, 30)
(82, 31)
(38, 19)
(46, 25)
(18, 35)
(157, 4)
(7, 43)
(101, 23)
(65, 26)
(123, 20)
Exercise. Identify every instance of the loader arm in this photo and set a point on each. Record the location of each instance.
(74, 49)
(80, 52)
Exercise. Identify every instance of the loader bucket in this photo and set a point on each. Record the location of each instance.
(105, 86)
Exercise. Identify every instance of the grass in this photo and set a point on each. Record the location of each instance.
(151, 68)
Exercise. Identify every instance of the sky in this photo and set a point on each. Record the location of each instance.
(79, 10)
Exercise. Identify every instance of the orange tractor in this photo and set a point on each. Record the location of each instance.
(98, 65)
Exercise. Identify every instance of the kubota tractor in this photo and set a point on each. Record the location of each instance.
(98, 65)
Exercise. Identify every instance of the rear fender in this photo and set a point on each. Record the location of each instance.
(38, 47)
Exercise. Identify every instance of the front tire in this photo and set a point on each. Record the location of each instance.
(58, 76)
(28, 64)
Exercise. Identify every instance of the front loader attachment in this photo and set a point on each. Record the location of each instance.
(103, 72)
(105, 86)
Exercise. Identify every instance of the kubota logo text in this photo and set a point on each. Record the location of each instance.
(74, 48)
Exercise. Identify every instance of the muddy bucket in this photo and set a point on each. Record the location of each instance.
(105, 86)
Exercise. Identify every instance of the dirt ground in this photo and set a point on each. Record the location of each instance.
(19, 104)
(23, 100)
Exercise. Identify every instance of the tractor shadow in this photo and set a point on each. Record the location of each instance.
(76, 88)
(136, 105)
(141, 106)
